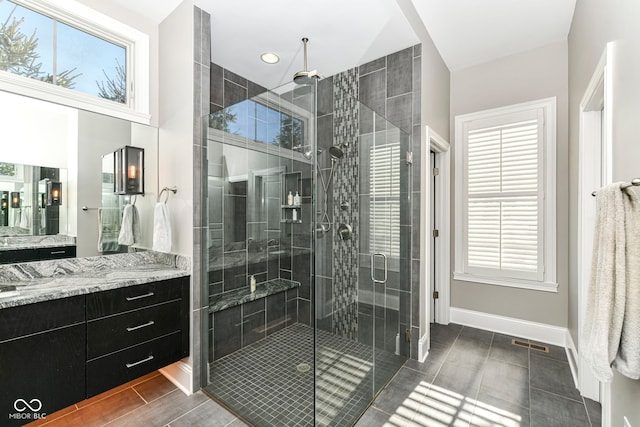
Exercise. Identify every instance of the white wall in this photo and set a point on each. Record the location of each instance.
(595, 23)
(175, 161)
(35, 132)
(536, 74)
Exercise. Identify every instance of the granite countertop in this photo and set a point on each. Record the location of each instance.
(48, 280)
(11, 243)
(243, 295)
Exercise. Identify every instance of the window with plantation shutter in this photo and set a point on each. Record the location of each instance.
(384, 176)
(505, 226)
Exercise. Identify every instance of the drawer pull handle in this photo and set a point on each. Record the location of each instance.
(57, 252)
(144, 325)
(150, 294)
(139, 362)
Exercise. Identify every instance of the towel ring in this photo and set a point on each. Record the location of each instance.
(173, 189)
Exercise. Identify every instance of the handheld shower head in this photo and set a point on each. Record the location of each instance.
(336, 153)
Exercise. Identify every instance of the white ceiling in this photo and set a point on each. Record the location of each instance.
(470, 32)
(343, 34)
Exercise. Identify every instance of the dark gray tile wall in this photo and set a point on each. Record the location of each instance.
(199, 305)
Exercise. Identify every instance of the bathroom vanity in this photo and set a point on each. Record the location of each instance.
(15, 249)
(72, 329)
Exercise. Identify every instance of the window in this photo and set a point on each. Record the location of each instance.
(67, 53)
(384, 176)
(505, 196)
(261, 123)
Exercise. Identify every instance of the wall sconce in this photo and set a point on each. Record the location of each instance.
(4, 204)
(54, 193)
(128, 170)
(15, 199)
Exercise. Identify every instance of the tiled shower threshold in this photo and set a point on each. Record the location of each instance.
(266, 384)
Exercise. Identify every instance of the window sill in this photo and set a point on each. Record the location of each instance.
(511, 283)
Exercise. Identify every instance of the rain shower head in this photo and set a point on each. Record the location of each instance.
(305, 77)
(336, 153)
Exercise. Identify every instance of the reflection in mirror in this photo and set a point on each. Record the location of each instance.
(71, 142)
(26, 208)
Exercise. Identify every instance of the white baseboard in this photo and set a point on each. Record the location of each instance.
(541, 332)
(181, 375)
(574, 359)
(423, 348)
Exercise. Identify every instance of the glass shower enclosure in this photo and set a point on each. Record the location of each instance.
(306, 192)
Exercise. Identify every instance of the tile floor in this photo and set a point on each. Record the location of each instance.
(261, 381)
(478, 378)
(472, 378)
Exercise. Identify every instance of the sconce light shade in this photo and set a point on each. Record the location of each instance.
(15, 199)
(54, 193)
(128, 170)
(4, 204)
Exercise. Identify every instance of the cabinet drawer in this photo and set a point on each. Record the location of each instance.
(33, 318)
(113, 333)
(133, 297)
(37, 254)
(109, 371)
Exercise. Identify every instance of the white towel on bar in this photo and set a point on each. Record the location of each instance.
(611, 333)
(161, 228)
(24, 218)
(130, 227)
(100, 231)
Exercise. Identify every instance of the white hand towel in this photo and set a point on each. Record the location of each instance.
(135, 222)
(126, 227)
(161, 228)
(100, 230)
(614, 257)
(43, 218)
(628, 359)
(24, 218)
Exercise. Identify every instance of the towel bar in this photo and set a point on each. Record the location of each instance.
(635, 182)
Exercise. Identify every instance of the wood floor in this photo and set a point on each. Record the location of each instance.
(151, 400)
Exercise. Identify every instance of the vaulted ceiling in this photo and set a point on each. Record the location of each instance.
(343, 34)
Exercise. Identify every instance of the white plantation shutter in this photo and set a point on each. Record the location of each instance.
(384, 177)
(503, 182)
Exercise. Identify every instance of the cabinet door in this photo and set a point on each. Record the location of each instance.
(41, 374)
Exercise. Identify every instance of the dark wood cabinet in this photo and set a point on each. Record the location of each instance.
(42, 356)
(59, 352)
(134, 330)
(36, 254)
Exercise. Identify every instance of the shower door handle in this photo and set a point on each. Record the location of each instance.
(373, 270)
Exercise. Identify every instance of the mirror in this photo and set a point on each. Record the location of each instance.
(73, 141)
(27, 207)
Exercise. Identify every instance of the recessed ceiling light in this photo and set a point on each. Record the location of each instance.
(270, 58)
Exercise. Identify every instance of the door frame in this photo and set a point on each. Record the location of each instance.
(594, 155)
(441, 147)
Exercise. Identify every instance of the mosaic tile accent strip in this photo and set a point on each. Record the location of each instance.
(345, 188)
(268, 384)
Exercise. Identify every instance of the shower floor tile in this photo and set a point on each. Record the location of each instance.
(267, 384)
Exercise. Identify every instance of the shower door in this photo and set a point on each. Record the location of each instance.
(385, 243)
